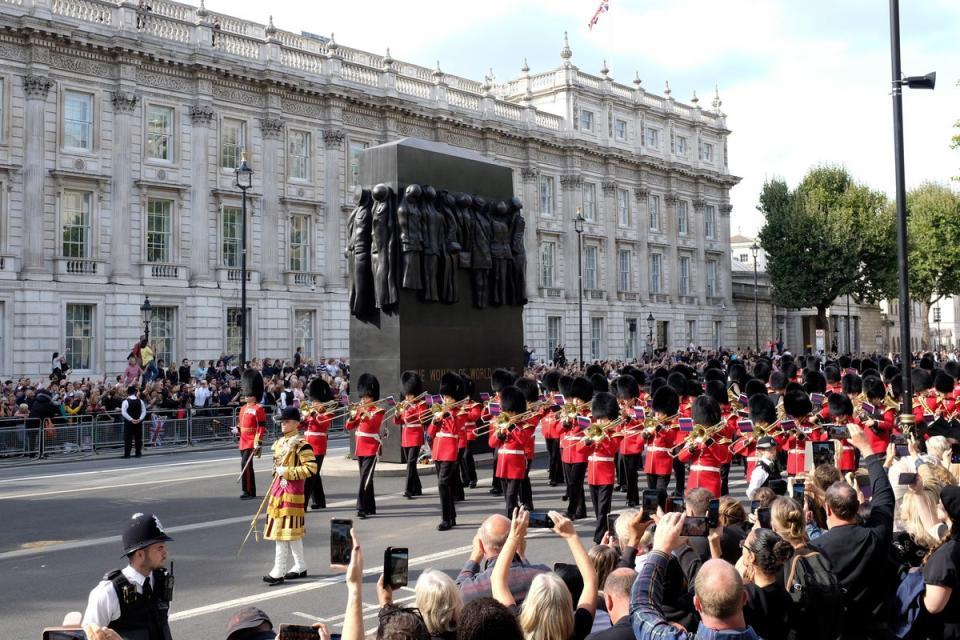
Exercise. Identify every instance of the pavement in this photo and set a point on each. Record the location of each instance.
(61, 526)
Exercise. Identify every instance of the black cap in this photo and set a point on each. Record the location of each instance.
(290, 413)
(143, 530)
(766, 442)
(246, 618)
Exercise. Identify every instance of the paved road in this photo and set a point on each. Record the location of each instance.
(60, 534)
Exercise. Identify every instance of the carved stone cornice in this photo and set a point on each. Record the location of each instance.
(670, 199)
(333, 138)
(124, 101)
(608, 186)
(271, 128)
(529, 173)
(725, 209)
(641, 193)
(37, 87)
(699, 204)
(571, 181)
(201, 115)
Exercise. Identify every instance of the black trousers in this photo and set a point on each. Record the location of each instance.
(410, 455)
(446, 474)
(725, 479)
(602, 498)
(555, 468)
(680, 474)
(512, 490)
(248, 481)
(526, 489)
(313, 489)
(621, 471)
(576, 505)
(458, 493)
(468, 466)
(631, 469)
(657, 482)
(132, 433)
(366, 501)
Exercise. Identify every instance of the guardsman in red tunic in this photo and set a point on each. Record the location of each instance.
(574, 457)
(600, 446)
(252, 425)
(841, 413)
(366, 419)
(704, 454)
(716, 388)
(472, 411)
(661, 438)
(627, 390)
(445, 431)
(509, 437)
(763, 414)
(879, 423)
(549, 428)
(798, 407)
(315, 422)
(410, 417)
(499, 379)
(531, 393)
(833, 380)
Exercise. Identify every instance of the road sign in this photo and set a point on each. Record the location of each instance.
(821, 340)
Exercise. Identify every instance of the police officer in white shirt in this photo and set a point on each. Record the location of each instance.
(766, 469)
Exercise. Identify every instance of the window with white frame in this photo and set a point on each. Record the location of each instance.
(160, 140)
(299, 243)
(233, 138)
(624, 272)
(652, 138)
(710, 221)
(589, 190)
(586, 120)
(159, 230)
(353, 150)
(707, 152)
(230, 235)
(234, 331)
(554, 333)
(298, 154)
(712, 278)
(654, 206)
(304, 321)
(679, 145)
(590, 253)
(691, 332)
(656, 273)
(623, 207)
(684, 279)
(620, 129)
(717, 332)
(631, 334)
(683, 218)
(548, 264)
(596, 338)
(77, 215)
(79, 335)
(547, 186)
(163, 333)
(78, 120)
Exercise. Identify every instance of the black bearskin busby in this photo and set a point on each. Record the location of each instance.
(942, 382)
(762, 409)
(368, 386)
(627, 387)
(411, 383)
(529, 388)
(839, 406)
(582, 389)
(797, 404)
(874, 388)
(319, 390)
(666, 401)
(705, 411)
(452, 385)
(512, 399)
(251, 384)
(851, 383)
(500, 379)
(717, 390)
(604, 406)
(551, 381)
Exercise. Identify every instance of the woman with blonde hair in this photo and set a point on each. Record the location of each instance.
(604, 560)
(787, 520)
(440, 603)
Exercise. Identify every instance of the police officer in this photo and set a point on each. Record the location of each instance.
(135, 601)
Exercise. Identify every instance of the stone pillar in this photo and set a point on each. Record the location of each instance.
(642, 222)
(271, 129)
(202, 117)
(336, 272)
(531, 191)
(724, 277)
(671, 283)
(124, 103)
(36, 88)
(609, 189)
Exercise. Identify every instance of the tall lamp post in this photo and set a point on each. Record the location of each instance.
(936, 319)
(244, 180)
(755, 249)
(146, 309)
(650, 320)
(578, 227)
(914, 82)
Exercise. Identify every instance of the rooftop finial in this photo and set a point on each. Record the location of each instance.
(604, 71)
(695, 100)
(666, 89)
(716, 98)
(636, 80)
(387, 59)
(271, 30)
(566, 53)
(437, 73)
(525, 69)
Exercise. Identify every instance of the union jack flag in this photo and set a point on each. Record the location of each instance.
(604, 7)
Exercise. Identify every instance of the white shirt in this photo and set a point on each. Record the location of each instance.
(201, 395)
(103, 605)
(125, 406)
(757, 478)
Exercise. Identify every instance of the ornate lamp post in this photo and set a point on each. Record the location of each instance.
(650, 320)
(146, 309)
(755, 250)
(578, 227)
(243, 180)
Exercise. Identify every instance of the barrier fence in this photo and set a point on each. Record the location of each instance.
(73, 437)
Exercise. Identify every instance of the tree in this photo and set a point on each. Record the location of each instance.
(829, 237)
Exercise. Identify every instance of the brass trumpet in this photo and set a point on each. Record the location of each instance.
(503, 422)
(596, 432)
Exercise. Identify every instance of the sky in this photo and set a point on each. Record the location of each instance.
(802, 82)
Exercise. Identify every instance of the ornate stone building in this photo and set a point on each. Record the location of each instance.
(120, 130)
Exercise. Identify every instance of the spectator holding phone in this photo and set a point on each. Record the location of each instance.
(437, 598)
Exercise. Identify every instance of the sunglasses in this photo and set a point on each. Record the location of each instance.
(387, 612)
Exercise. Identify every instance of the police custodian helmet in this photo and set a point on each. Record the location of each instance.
(143, 530)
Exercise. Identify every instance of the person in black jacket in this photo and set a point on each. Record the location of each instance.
(616, 597)
(859, 552)
(42, 409)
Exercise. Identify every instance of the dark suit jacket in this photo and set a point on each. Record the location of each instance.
(623, 630)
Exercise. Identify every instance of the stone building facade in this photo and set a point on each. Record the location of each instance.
(120, 130)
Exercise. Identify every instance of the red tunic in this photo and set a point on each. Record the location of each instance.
(411, 423)
(474, 412)
(252, 421)
(445, 435)
(704, 466)
(367, 423)
(512, 453)
(795, 446)
(658, 460)
(571, 436)
(549, 425)
(879, 434)
(848, 456)
(631, 444)
(315, 429)
(601, 469)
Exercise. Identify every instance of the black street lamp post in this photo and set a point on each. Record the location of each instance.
(146, 309)
(244, 180)
(650, 320)
(936, 319)
(755, 249)
(578, 227)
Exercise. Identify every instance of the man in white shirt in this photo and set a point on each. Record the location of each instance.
(201, 395)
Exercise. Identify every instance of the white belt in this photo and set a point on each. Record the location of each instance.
(700, 467)
(446, 435)
(797, 450)
(600, 459)
(315, 434)
(412, 426)
(516, 452)
(364, 434)
(657, 449)
(752, 458)
(848, 448)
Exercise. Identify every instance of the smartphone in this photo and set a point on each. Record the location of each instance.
(754, 505)
(902, 451)
(798, 492)
(61, 633)
(296, 632)
(677, 505)
(649, 501)
(823, 453)
(694, 527)
(763, 517)
(395, 566)
(713, 514)
(837, 432)
(906, 478)
(540, 520)
(341, 544)
(866, 488)
(612, 524)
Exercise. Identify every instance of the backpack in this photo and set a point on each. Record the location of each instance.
(908, 605)
(816, 595)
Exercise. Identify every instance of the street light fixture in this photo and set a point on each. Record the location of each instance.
(243, 176)
(578, 227)
(755, 250)
(146, 309)
(936, 319)
(650, 320)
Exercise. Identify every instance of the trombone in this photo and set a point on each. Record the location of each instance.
(350, 411)
(595, 432)
(502, 423)
(701, 434)
(313, 408)
(437, 411)
(773, 430)
(403, 405)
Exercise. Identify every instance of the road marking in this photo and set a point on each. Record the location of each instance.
(103, 471)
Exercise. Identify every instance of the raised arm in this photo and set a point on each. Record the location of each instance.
(499, 580)
(564, 528)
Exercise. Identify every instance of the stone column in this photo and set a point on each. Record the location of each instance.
(724, 275)
(36, 88)
(609, 189)
(642, 222)
(336, 272)
(698, 225)
(202, 117)
(671, 283)
(531, 191)
(271, 129)
(124, 103)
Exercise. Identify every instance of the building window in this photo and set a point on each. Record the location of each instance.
(298, 154)
(163, 327)
(78, 120)
(233, 137)
(652, 138)
(679, 146)
(683, 220)
(548, 262)
(77, 219)
(624, 257)
(299, 243)
(717, 332)
(590, 267)
(160, 133)
(303, 328)
(159, 230)
(654, 213)
(684, 288)
(623, 207)
(234, 331)
(707, 152)
(596, 338)
(546, 195)
(744, 257)
(620, 129)
(354, 150)
(692, 332)
(711, 278)
(554, 332)
(656, 272)
(586, 120)
(710, 221)
(630, 352)
(78, 332)
(590, 201)
(231, 231)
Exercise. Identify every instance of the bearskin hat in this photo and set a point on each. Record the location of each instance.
(251, 384)
(952, 368)
(666, 401)
(706, 411)
(582, 389)
(778, 380)
(844, 362)
(656, 384)
(762, 409)
(319, 390)
(626, 387)
(565, 385)
(814, 382)
(411, 383)
(551, 380)
(942, 382)
(512, 399)
(890, 372)
(715, 374)
(604, 406)
(500, 379)
(797, 403)
(677, 382)
(839, 405)
(762, 370)
(896, 386)
(832, 374)
(927, 362)
(921, 379)
(368, 386)
(692, 389)
(592, 370)
(529, 388)
(754, 387)
(851, 383)
(717, 390)
(874, 388)
(599, 382)
(452, 385)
